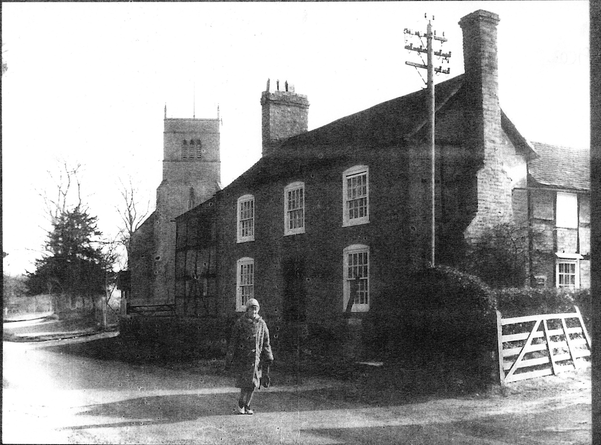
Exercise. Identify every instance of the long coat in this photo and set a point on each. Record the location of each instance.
(249, 348)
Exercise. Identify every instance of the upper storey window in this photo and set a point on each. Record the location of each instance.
(191, 149)
(567, 210)
(246, 218)
(355, 195)
(294, 208)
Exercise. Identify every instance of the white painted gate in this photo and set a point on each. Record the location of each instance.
(540, 345)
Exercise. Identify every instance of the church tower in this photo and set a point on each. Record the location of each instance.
(191, 175)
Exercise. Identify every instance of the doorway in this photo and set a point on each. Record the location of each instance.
(295, 291)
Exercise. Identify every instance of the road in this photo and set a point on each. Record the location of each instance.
(51, 395)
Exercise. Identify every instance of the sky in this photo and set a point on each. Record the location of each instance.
(87, 83)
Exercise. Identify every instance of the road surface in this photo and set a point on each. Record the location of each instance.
(51, 395)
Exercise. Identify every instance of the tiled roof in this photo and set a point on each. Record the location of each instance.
(561, 167)
(385, 123)
(391, 123)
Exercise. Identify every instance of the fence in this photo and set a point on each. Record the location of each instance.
(540, 345)
(39, 304)
(152, 310)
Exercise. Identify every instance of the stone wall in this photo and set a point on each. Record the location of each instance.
(187, 182)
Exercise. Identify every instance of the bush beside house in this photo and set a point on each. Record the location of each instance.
(175, 339)
(519, 302)
(439, 318)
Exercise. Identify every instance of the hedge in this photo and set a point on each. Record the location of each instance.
(436, 315)
(520, 302)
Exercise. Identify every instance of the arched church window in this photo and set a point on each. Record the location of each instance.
(184, 149)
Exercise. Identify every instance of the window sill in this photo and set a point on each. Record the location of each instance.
(294, 233)
(355, 315)
(355, 222)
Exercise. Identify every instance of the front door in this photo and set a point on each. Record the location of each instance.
(295, 293)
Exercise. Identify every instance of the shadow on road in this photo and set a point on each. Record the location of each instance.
(166, 409)
(565, 425)
(377, 387)
(535, 427)
(132, 352)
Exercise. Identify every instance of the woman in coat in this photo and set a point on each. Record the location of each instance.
(249, 354)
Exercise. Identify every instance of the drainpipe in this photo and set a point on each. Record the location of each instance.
(529, 216)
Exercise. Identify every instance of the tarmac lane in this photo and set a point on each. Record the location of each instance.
(51, 396)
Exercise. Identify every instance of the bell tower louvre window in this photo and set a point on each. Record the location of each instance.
(191, 149)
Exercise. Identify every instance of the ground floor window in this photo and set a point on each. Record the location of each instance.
(356, 278)
(245, 282)
(567, 274)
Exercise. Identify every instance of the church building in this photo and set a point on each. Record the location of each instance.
(191, 175)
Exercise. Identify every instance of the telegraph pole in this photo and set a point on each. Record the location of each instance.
(431, 70)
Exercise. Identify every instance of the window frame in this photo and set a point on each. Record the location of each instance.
(299, 185)
(241, 200)
(350, 172)
(572, 259)
(240, 303)
(346, 284)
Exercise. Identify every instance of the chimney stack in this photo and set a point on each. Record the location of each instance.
(284, 114)
(483, 132)
(481, 77)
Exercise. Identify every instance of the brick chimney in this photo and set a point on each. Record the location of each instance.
(482, 124)
(285, 114)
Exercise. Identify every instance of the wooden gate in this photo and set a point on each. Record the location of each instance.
(540, 345)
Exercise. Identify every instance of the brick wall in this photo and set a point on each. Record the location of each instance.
(483, 132)
(396, 234)
(284, 114)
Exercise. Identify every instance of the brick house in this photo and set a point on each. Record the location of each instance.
(327, 218)
(343, 209)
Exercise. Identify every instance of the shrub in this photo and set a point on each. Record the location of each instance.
(500, 256)
(171, 339)
(437, 314)
(519, 302)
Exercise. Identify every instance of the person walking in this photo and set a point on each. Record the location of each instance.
(249, 355)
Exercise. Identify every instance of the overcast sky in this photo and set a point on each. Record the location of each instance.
(88, 83)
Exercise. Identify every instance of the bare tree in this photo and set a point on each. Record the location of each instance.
(79, 260)
(66, 184)
(131, 215)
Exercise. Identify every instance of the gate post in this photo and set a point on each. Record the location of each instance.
(500, 348)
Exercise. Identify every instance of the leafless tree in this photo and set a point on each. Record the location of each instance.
(131, 215)
(66, 183)
(63, 199)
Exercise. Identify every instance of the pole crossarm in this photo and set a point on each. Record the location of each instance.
(417, 65)
(425, 34)
(439, 53)
(430, 36)
(418, 49)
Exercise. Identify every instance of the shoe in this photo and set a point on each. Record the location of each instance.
(248, 411)
(240, 410)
